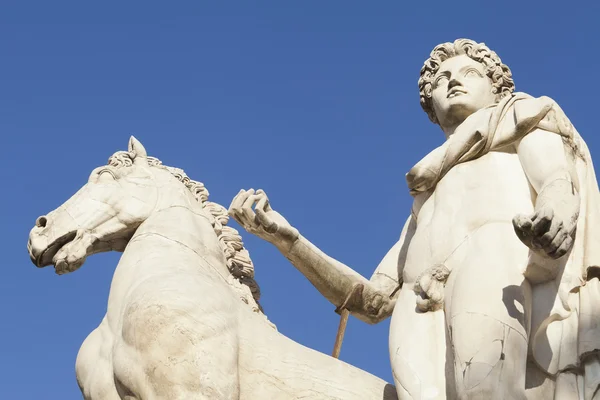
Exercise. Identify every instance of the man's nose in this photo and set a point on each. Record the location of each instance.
(454, 82)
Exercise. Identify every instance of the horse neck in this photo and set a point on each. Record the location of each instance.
(171, 235)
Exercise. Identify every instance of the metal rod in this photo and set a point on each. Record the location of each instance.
(337, 347)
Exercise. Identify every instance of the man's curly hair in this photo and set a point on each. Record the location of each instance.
(499, 73)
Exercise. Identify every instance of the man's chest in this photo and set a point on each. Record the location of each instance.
(493, 186)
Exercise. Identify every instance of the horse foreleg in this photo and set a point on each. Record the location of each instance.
(93, 367)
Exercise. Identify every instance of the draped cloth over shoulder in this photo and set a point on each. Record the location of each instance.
(566, 307)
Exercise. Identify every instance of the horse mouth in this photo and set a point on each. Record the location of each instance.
(46, 258)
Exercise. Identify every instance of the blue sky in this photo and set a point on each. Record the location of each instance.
(316, 102)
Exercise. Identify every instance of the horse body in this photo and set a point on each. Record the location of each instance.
(175, 326)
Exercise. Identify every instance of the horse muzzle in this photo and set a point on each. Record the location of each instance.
(42, 248)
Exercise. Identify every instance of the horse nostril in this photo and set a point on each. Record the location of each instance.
(41, 222)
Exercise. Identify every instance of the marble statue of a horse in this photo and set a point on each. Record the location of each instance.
(183, 319)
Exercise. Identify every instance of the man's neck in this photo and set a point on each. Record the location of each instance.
(449, 130)
(453, 121)
(450, 125)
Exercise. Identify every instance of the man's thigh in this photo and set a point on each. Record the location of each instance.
(417, 349)
(487, 312)
(489, 279)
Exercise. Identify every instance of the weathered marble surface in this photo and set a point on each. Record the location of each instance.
(183, 319)
(493, 284)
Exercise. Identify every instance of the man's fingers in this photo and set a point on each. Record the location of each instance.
(244, 211)
(261, 209)
(523, 225)
(232, 206)
(563, 248)
(235, 210)
(543, 221)
(557, 241)
(267, 223)
(247, 211)
(522, 222)
(547, 238)
(249, 200)
(238, 200)
(236, 203)
(267, 206)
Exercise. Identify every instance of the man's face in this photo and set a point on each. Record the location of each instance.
(460, 87)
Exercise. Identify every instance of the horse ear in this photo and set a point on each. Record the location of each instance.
(136, 148)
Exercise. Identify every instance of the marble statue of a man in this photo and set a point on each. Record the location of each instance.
(493, 285)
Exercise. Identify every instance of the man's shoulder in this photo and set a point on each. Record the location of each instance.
(527, 113)
(532, 107)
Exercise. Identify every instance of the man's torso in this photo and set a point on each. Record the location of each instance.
(471, 196)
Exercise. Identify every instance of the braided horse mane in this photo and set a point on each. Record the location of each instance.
(237, 257)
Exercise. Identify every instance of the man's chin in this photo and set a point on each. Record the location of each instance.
(460, 108)
(461, 104)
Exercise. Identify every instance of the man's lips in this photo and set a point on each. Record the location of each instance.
(455, 92)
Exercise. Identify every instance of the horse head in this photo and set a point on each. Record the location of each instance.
(106, 212)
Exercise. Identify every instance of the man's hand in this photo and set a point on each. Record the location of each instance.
(545, 232)
(262, 221)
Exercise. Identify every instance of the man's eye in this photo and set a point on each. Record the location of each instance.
(472, 72)
(440, 80)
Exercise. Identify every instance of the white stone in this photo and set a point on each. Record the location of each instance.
(493, 284)
(183, 320)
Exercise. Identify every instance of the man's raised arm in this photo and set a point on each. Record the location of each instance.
(369, 300)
